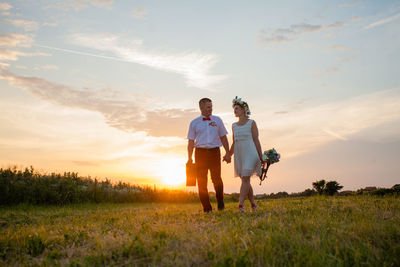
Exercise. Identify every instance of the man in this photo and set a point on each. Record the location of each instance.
(206, 134)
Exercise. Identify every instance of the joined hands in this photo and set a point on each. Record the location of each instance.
(227, 158)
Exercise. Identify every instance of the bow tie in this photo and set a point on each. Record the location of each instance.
(206, 119)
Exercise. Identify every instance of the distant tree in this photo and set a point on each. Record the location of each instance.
(308, 192)
(332, 187)
(319, 186)
(281, 194)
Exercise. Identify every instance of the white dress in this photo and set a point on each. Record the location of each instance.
(247, 162)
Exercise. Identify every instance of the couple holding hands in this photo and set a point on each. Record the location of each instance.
(207, 134)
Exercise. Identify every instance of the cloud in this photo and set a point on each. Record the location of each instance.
(16, 40)
(334, 134)
(85, 163)
(194, 66)
(311, 127)
(294, 32)
(383, 21)
(356, 18)
(350, 4)
(324, 71)
(50, 24)
(12, 55)
(78, 5)
(340, 48)
(102, 3)
(4, 65)
(346, 59)
(139, 12)
(46, 67)
(25, 24)
(5, 6)
(122, 111)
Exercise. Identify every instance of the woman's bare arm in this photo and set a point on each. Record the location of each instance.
(232, 150)
(254, 132)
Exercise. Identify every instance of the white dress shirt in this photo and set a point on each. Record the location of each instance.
(207, 133)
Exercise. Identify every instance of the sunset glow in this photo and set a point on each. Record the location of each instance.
(171, 171)
(108, 88)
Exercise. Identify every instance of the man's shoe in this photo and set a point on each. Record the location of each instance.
(241, 209)
(254, 206)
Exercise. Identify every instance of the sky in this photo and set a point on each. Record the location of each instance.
(108, 88)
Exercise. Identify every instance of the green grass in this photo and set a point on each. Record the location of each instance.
(315, 231)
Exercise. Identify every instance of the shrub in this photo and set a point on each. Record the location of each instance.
(28, 186)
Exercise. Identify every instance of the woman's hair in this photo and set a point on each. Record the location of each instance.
(242, 106)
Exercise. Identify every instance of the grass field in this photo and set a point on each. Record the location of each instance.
(314, 231)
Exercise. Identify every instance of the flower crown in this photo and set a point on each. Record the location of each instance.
(240, 102)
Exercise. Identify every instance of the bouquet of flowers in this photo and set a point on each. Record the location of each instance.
(269, 157)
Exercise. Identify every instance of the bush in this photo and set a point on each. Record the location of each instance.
(28, 186)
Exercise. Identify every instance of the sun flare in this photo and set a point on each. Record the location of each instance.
(172, 171)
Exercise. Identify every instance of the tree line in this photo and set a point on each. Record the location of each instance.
(331, 188)
(29, 186)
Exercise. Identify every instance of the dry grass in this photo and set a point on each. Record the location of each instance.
(311, 231)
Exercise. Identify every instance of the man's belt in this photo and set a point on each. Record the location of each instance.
(207, 149)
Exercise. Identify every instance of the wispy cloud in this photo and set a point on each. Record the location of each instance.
(122, 111)
(79, 52)
(15, 40)
(4, 65)
(310, 127)
(194, 66)
(50, 24)
(46, 67)
(12, 55)
(356, 18)
(346, 58)
(139, 12)
(350, 4)
(80, 4)
(27, 25)
(324, 71)
(294, 32)
(334, 134)
(383, 21)
(5, 6)
(340, 48)
(64, 134)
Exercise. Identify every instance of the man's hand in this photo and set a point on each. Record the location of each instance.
(227, 158)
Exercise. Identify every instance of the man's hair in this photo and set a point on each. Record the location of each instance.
(203, 101)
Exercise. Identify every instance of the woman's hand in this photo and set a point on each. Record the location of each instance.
(227, 158)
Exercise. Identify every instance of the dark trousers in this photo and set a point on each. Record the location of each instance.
(209, 159)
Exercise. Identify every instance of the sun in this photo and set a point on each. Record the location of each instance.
(172, 171)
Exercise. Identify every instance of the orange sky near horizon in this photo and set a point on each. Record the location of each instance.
(108, 88)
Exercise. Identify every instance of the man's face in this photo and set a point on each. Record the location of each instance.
(206, 109)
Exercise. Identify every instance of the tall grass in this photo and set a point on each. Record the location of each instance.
(29, 186)
(314, 231)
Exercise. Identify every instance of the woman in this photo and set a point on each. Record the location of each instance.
(247, 150)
